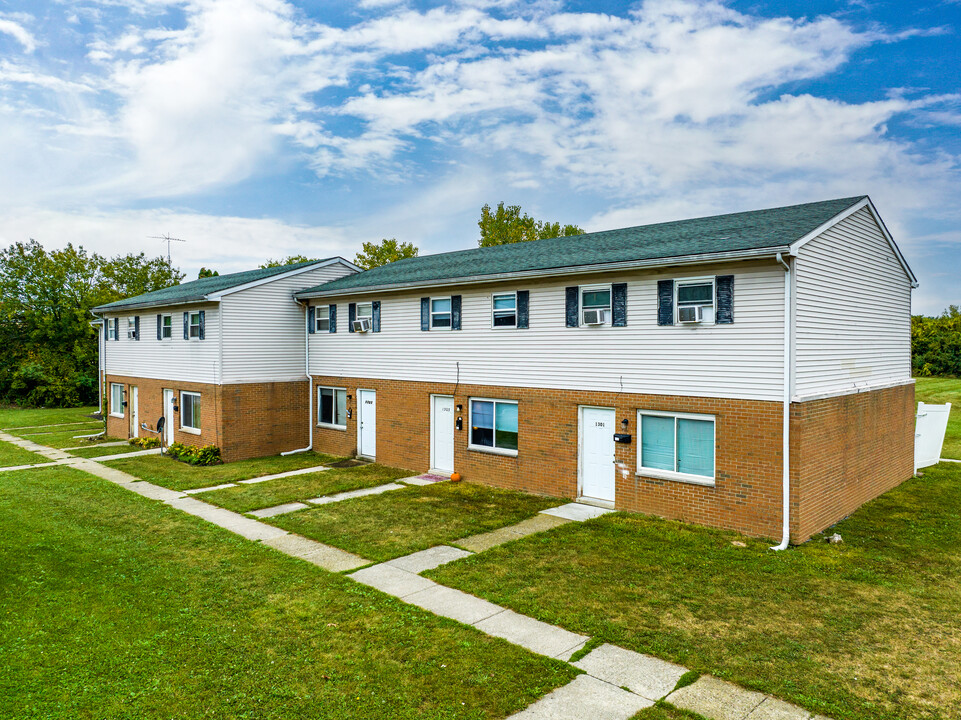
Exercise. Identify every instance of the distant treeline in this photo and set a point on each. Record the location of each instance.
(936, 343)
(48, 348)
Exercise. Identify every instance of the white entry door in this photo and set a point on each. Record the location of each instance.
(168, 417)
(134, 411)
(367, 423)
(597, 454)
(442, 434)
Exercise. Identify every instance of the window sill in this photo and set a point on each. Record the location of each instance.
(327, 426)
(192, 431)
(492, 450)
(675, 476)
(116, 415)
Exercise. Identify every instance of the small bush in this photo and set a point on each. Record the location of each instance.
(193, 455)
(144, 442)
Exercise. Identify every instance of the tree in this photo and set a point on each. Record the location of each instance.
(206, 273)
(129, 275)
(388, 251)
(289, 260)
(936, 343)
(506, 225)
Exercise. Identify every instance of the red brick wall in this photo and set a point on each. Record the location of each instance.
(243, 420)
(746, 496)
(846, 451)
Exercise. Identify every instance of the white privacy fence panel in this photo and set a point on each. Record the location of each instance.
(929, 429)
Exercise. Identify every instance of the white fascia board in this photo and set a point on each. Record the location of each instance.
(702, 259)
(126, 310)
(290, 273)
(866, 202)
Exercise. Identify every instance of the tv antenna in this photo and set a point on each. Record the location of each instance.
(167, 239)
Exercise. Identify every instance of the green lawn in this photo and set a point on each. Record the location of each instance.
(64, 439)
(96, 451)
(866, 630)
(942, 390)
(11, 456)
(245, 498)
(177, 475)
(399, 522)
(115, 607)
(11, 417)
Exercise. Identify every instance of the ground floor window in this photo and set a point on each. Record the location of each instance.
(332, 406)
(116, 399)
(190, 411)
(677, 443)
(493, 425)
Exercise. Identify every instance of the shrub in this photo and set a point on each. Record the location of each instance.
(193, 455)
(144, 442)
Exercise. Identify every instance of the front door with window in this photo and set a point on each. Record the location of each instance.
(168, 417)
(597, 454)
(133, 411)
(442, 434)
(367, 423)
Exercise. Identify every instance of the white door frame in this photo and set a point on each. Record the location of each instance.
(360, 420)
(133, 405)
(433, 465)
(168, 414)
(580, 454)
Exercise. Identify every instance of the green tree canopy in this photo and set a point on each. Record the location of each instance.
(507, 225)
(936, 343)
(388, 251)
(289, 260)
(206, 273)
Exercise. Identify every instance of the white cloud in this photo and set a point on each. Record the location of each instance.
(18, 33)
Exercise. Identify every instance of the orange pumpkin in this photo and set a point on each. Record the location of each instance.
(455, 477)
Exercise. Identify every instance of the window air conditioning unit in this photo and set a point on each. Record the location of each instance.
(690, 314)
(362, 325)
(593, 317)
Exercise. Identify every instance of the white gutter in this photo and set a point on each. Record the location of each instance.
(310, 384)
(786, 420)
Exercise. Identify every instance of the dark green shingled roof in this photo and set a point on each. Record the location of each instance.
(755, 230)
(198, 290)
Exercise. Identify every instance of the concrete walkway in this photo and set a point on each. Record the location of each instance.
(616, 684)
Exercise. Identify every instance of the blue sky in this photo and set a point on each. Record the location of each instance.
(262, 128)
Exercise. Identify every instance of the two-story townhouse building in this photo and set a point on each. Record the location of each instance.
(221, 359)
(749, 371)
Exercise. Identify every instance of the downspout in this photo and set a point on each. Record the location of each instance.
(101, 369)
(310, 383)
(786, 421)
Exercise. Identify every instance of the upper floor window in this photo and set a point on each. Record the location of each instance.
(111, 328)
(695, 300)
(440, 313)
(504, 310)
(322, 318)
(596, 305)
(166, 327)
(195, 325)
(132, 328)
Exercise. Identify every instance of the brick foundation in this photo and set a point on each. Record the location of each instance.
(833, 473)
(243, 420)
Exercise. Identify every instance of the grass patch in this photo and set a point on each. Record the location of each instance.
(62, 438)
(11, 456)
(399, 522)
(176, 475)
(245, 498)
(939, 391)
(115, 607)
(664, 711)
(865, 630)
(14, 417)
(97, 451)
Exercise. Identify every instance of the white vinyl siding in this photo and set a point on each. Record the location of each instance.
(853, 317)
(264, 328)
(173, 359)
(739, 360)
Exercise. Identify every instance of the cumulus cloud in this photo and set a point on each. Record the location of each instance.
(18, 33)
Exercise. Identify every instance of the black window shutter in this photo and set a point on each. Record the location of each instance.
(571, 311)
(160, 322)
(203, 326)
(351, 316)
(665, 302)
(186, 326)
(311, 323)
(724, 309)
(455, 312)
(375, 316)
(136, 327)
(332, 314)
(523, 308)
(425, 314)
(619, 304)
